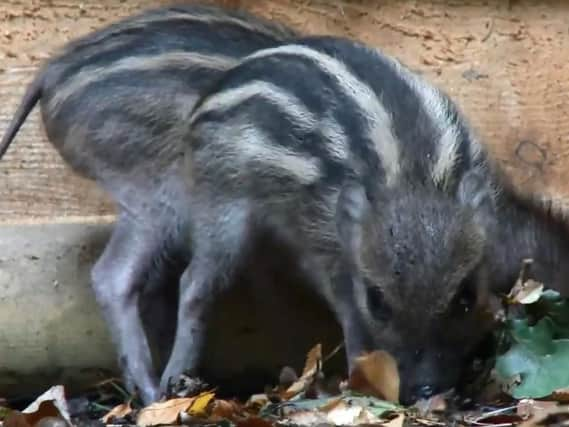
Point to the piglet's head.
(416, 278)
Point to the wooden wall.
(505, 62)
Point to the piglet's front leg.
(221, 232)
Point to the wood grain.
(504, 62)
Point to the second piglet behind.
(115, 105)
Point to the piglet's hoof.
(185, 385)
(150, 395)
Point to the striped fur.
(173, 52)
(115, 105)
(376, 180)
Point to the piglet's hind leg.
(118, 277)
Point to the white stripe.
(337, 146)
(434, 105)
(380, 129)
(247, 144)
(288, 103)
(175, 59)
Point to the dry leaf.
(51, 404)
(395, 422)
(169, 411)
(199, 406)
(256, 402)
(54, 396)
(336, 413)
(47, 411)
(224, 409)
(119, 411)
(535, 411)
(343, 414)
(526, 292)
(16, 419)
(561, 395)
(435, 403)
(527, 408)
(163, 412)
(311, 368)
(376, 374)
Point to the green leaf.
(538, 338)
(539, 351)
(541, 375)
(541, 361)
(552, 305)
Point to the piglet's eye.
(466, 297)
(376, 303)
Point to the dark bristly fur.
(115, 104)
(373, 177)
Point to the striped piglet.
(115, 105)
(374, 179)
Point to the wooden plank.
(35, 181)
(504, 62)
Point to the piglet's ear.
(352, 208)
(475, 192)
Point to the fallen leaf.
(56, 396)
(540, 360)
(200, 405)
(526, 292)
(16, 419)
(376, 374)
(528, 408)
(187, 386)
(305, 418)
(341, 414)
(256, 402)
(435, 403)
(119, 411)
(51, 404)
(560, 395)
(225, 409)
(545, 413)
(311, 368)
(337, 413)
(396, 422)
(343, 410)
(163, 412)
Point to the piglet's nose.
(424, 391)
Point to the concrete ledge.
(50, 327)
(51, 330)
